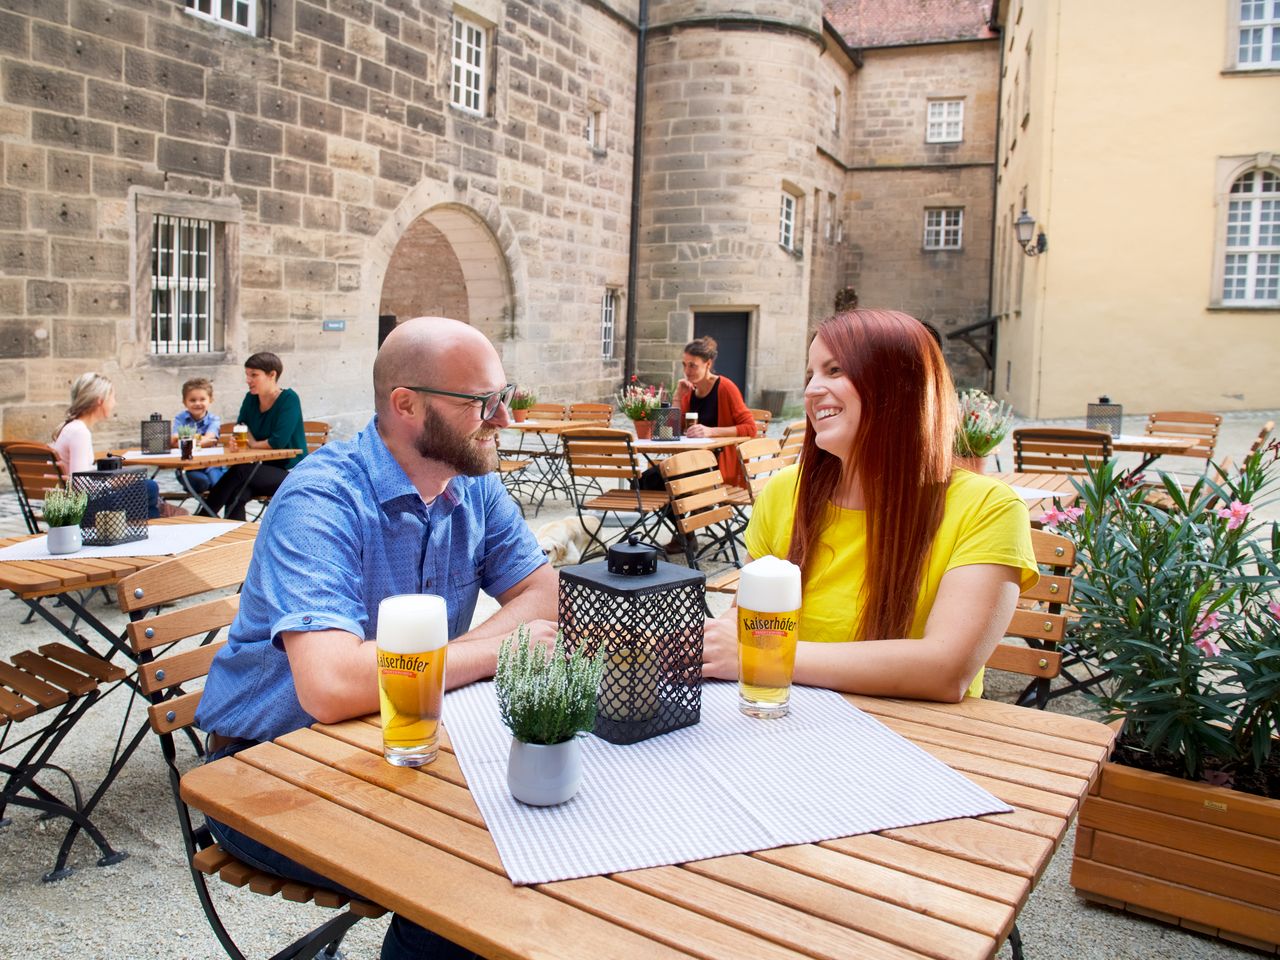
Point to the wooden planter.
(1205, 858)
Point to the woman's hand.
(683, 389)
(697, 430)
(720, 649)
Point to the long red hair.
(902, 452)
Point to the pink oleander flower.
(1200, 635)
(1273, 608)
(1053, 516)
(1208, 647)
(1074, 513)
(1235, 514)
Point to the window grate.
(608, 319)
(182, 285)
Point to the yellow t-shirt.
(983, 521)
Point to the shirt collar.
(389, 480)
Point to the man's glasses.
(489, 402)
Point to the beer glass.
(768, 626)
(413, 634)
(689, 420)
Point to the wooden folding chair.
(1040, 622)
(762, 418)
(597, 412)
(208, 575)
(793, 441)
(317, 433)
(34, 471)
(1185, 425)
(548, 411)
(57, 684)
(595, 456)
(1059, 449)
(702, 506)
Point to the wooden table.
(204, 458)
(1151, 448)
(414, 842)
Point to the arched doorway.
(448, 263)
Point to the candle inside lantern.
(629, 688)
(110, 525)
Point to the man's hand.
(720, 649)
(542, 633)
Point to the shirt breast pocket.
(466, 577)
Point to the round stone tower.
(732, 106)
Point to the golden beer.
(768, 628)
(412, 643)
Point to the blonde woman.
(93, 399)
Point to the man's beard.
(438, 441)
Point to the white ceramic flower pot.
(543, 775)
(64, 539)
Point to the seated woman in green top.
(895, 546)
(274, 417)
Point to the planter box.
(1205, 858)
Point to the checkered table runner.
(730, 784)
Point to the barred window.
(943, 228)
(237, 14)
(466, 89)
(945, 121)
(608, 323)
(1251, 269)
(182, 285)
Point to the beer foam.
(412, 623)
(769, 585)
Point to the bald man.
(411, 505)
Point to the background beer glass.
(768, 625)
(413, 633)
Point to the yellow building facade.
(1144, 139)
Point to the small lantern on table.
(117, 510)
(648, 618)
(1104, 415)
(666, 423)
(155, 435)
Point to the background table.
(413, 841)
(203, 460)
(1151, 448)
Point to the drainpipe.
(633, 265)
(993, 343)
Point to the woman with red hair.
(895, 545)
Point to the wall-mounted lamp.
(1025, 228)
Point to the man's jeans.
(404, 940)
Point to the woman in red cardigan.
(718, 403)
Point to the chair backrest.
(793, 441)
(34, 471)
(317, 432)
(1263, 436)
(1039, 619)
(548, 411)
(1059, 449)
(762, 418)
(699, 500)
(600, 453)
(759, 459)
(1184, 425)
(599, 412)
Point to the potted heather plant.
(63, 510)
(547, 698)
(638, 403)
(982, 423)
(521, 401)
(1177, 598)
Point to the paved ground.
(146, 907)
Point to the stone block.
(320, 116)
(14, 38)
(63, 215)
(261, 272)
(190, 121)
(253, 169)
(407, 59)
(320, 182)
(263, 304)
(282, 208)
(90, 339)
(193, 158)
(24, 256)
(68, 172)
(387, 107)
(303, 80)
(11, 296)
(46, 298)
(319, 23)
(273, 336)
(36, 86)
(100, 299)
(348, 276)
(289, 175)
(72, 50)
(114, 178)
(400, 169)
(13, 210)
(348, 93)
(297, 243)
(360, 11)
(74, 133)
(24, 166)
(258, 135)
(162, 74)
(309, 275)
(191, 186)
(321, 214)
(136, 145)
(353, 156)
(277, 104)
(90, 260)
(119, 104)
(110, 21)
(21, 338)
(359, 219)
(339, 61)
(306, 145)
(231, 92)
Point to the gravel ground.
(145, 907)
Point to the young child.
(197, 395)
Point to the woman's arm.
(969, 616)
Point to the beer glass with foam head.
(413, 634)
(768, 626)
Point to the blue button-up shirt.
(346, 529)
(209, 423)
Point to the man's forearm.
(474, 655)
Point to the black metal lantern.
(647, 616)
(117, 509)
(155, 435)
(666, 423)
(1104, 415)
